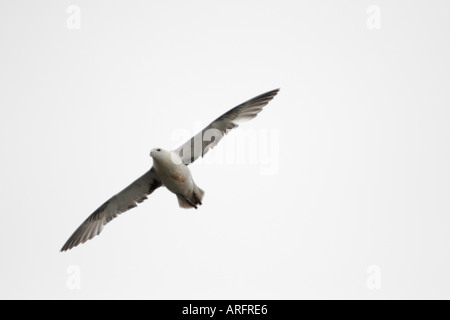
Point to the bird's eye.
(158, 150)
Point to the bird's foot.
(197, 200)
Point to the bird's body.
(176, 177)
(170, 169)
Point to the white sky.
(357, 143)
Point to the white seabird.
(170, 169)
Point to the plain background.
(359, 147)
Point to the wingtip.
(271, 93)
(69, 245)
(65, 248)
(268, 96)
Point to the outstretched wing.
(208, 138)
(126, 199)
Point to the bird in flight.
(170, 169)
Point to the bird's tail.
(193, 201)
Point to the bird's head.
(159, 154)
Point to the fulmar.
(170, 169)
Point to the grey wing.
(209, 137)
(126, 199)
